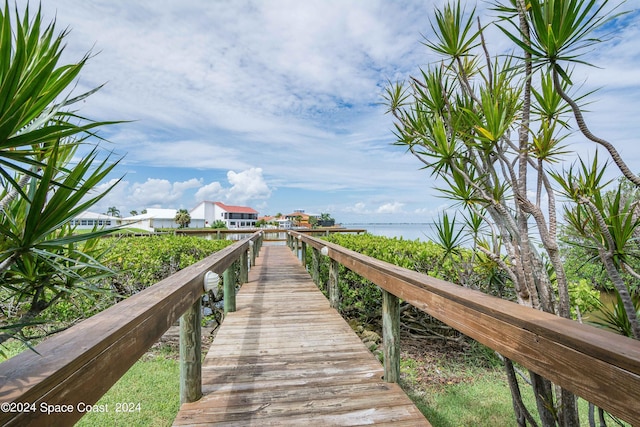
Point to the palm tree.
(183, 218)
(113, 211)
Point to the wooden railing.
(599, 366)
(74, 368)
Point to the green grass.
(454, 394)
(484, 402)
(153, 383)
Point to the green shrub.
(359, 298)
(143, 261)
(139, 262)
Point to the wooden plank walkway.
(286, 358)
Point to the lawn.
(147, 395)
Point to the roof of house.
(236, 209)
(94, 215)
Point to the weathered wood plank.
(285, 357)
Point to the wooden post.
(244, 267)
(303, 255)
(253, 249)
(334, 292)
(315, 265)
(391, 336)
(190, 354)
(229, 288)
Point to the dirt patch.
(169, 344)
(435, 362)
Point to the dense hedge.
(359, 298)
(143, 261)
(138, 262)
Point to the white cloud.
(181, 187)
(358, 208)
(212, 191)
(247, 185)
(391, 208)
(159, 192)
(286, 88)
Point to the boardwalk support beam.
(334, 291)
(190, 350)
(315, 265)
(391, 336)
(253, 248)
(244, 267)
(303, 255)
(229, 286)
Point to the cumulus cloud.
(288, 86)
(212, 191)
(391, 208)
(247, 185)
(152, 193)
(160, 192)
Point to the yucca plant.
(490, 126)
(615, 317)
(607, 224)
(42, 260)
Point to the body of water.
(408, 231)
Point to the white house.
(284, 223)
(232, 216)
(87, 220)
(153, 219)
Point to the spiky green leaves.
(608, 221)
(42, 260)
(453, 32)
(561, 31)
(32, 114)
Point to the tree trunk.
(544, 399)
(521, 413)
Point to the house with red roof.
(232, 216)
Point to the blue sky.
(276, 104)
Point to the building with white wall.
(232, 216)
(153, 219)
(88, 220)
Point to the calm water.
(408, 231)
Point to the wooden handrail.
(74, 368)
(600, 366)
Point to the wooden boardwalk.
(286, 358)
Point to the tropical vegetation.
(491, 128)
(49, 168)
(182, 218)
(137, 263)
